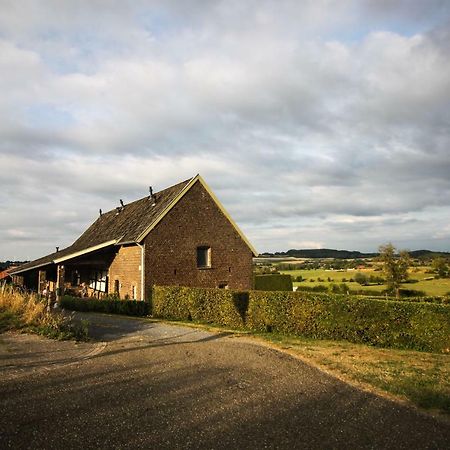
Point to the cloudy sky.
(317, 123)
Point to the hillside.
(347, 254)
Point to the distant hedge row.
(273, 282)
(379, 322)
(126, 307)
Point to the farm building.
(5, 275)
(181, 235)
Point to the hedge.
(384, 323)
(273, 282)
(218, 306)
(125, 307)
(379, 322)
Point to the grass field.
(430, 287)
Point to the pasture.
(419, 279)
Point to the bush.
(277, 282)
(315, 288)
(342, 288)
(411, 293)
(379, 322)
(125, 307)
(361, 279)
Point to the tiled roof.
(4, 274)
(117, 226)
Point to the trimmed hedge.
(125, 307)
(273, 282)
(420, 326)
(374, 321)
(218, 306)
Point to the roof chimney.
(100, 211)
(57, 249)
(152, 196)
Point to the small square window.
(203, 256)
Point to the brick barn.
(181, 235)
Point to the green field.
(430, 287)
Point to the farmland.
(420, 278)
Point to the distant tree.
(440, 266)
(395, 267)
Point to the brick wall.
(125, 268)
(171, 247)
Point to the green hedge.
(374, 321)
(218, 306)
(273, 282)
(384, 323)
(125, 307)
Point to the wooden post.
(60, 275)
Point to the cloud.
(297, 114)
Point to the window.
(203, 257)
(98, 280)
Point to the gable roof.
(129, 224)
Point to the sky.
(318, 124)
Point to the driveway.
(152, 385)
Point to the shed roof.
(127, 224)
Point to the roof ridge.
(147, 196)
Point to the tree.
(395, 267)
(440, 266)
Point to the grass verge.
(29, 313)
(420, 378)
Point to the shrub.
(125, 307)
(411, 293)
(315, 288)
(361, 279)
(342, 288)
(276, 282)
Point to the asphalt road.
(151, 385)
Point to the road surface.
(151, 385)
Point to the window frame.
(206, 256)
(98, 280)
